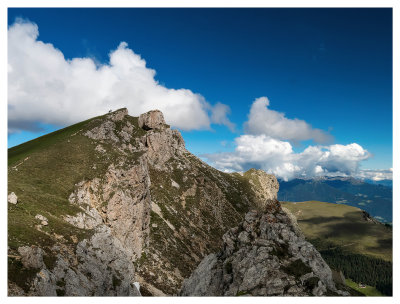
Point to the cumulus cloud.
(45, 87)
(262, 120)
(277, 157)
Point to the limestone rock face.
(263, 256)
(127, 210)
(99, 267)
(12, 198)
(163, 145)
(152, 120)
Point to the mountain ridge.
(124, 204)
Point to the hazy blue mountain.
(385, 182)
(376, 199)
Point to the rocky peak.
(265, 187)
(152, 120)
(118, 115)
(150, 134)
(162, 143)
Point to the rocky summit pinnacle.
(152, 120)
(117, 202)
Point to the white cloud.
(45, 87)
(219, 115)
(277, 157)
(376, 175)
(262, 120)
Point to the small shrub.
(311, 283)
(297, 268)
(60, 292)
(280, 250)
(242, 293)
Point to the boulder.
(43, 220)
(175, 184)
(41, 217)
(31, 257)
(12, 198)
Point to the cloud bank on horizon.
(266, 145)
(44, 87)
(277, 157)
(61, 92)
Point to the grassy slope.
(42, 175)
(343, 226)
(43, 172)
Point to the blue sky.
(331, 68)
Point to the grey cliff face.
(264, 256)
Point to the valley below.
(351, 241)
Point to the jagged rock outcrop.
(103, 132)
(118, 115)
(152, 120)
(265, 187)
(98, 267)
(263, 256)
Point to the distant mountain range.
(376, 198)
(385, 182)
